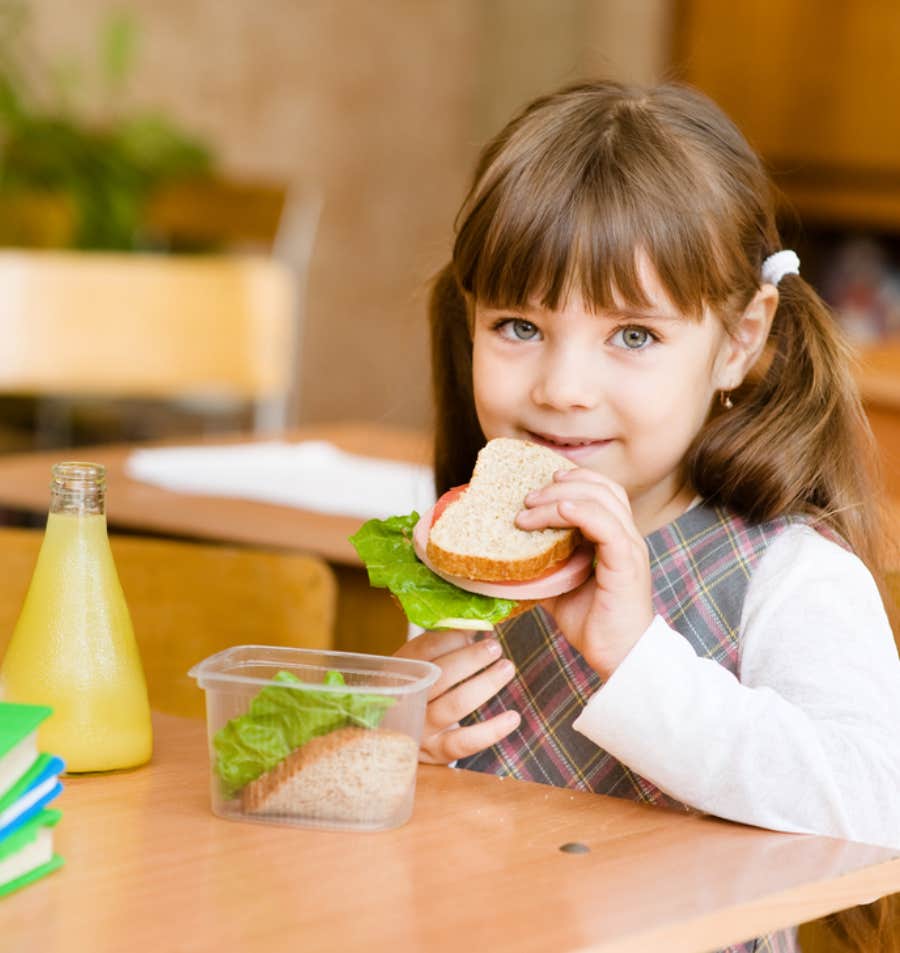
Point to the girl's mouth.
(572, 447)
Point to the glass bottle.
(73, 647)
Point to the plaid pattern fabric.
(701, 566)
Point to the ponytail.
(797, 438)
(458, 436)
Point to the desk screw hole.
(575, 848)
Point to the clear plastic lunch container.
(313, 738)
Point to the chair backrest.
(188, 600)
(151, 326)
(219, 212)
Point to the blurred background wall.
(382, 108)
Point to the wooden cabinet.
(814, 85)
(879, 382)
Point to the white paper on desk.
(311, 475)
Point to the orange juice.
(74, 649)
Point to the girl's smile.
(578, 449)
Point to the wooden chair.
(188, 600)
(91, 324)
(191, 213)
(194, 214)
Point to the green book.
(18, 740)
(27, 854)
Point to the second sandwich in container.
(313, 738)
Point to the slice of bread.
(354, 775)
(476, 536)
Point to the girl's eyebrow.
(641, 315)
(504, 309)
(610, 314)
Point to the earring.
(725, 399)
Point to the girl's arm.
(808, 739)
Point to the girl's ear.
(744, 345)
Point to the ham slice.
(571, 573)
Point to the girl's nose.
(566, 384)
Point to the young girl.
(618, 292)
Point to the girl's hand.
(604, 617)
(471, 673)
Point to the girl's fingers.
(433, 644)
(459, 654)
(580, 480)
(462, 742)
(462, 664)
(453, 705)
(618, 543)
(582, 475)
(601, 493)
(620, 548)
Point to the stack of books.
(29, 780)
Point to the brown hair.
(561, 201)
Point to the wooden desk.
(367, 619)
(149, 868)
(25, 484)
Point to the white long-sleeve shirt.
(806, 738)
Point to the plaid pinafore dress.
(701, 566)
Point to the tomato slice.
(452, 494)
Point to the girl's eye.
(517, 329)
(633, 338)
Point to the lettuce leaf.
(281, 719)
(386, 549)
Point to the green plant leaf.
(154, 145)
(118, 48)
(104, 172)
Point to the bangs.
(573, 214)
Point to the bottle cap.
(78, 487)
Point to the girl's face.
(622, 392)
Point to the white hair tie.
(782, 263)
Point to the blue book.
(30, 794)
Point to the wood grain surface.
(149, 868)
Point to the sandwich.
(351, 775)
(465, 563)
(319, 755)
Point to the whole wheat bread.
(355, 775)
(476, 536)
